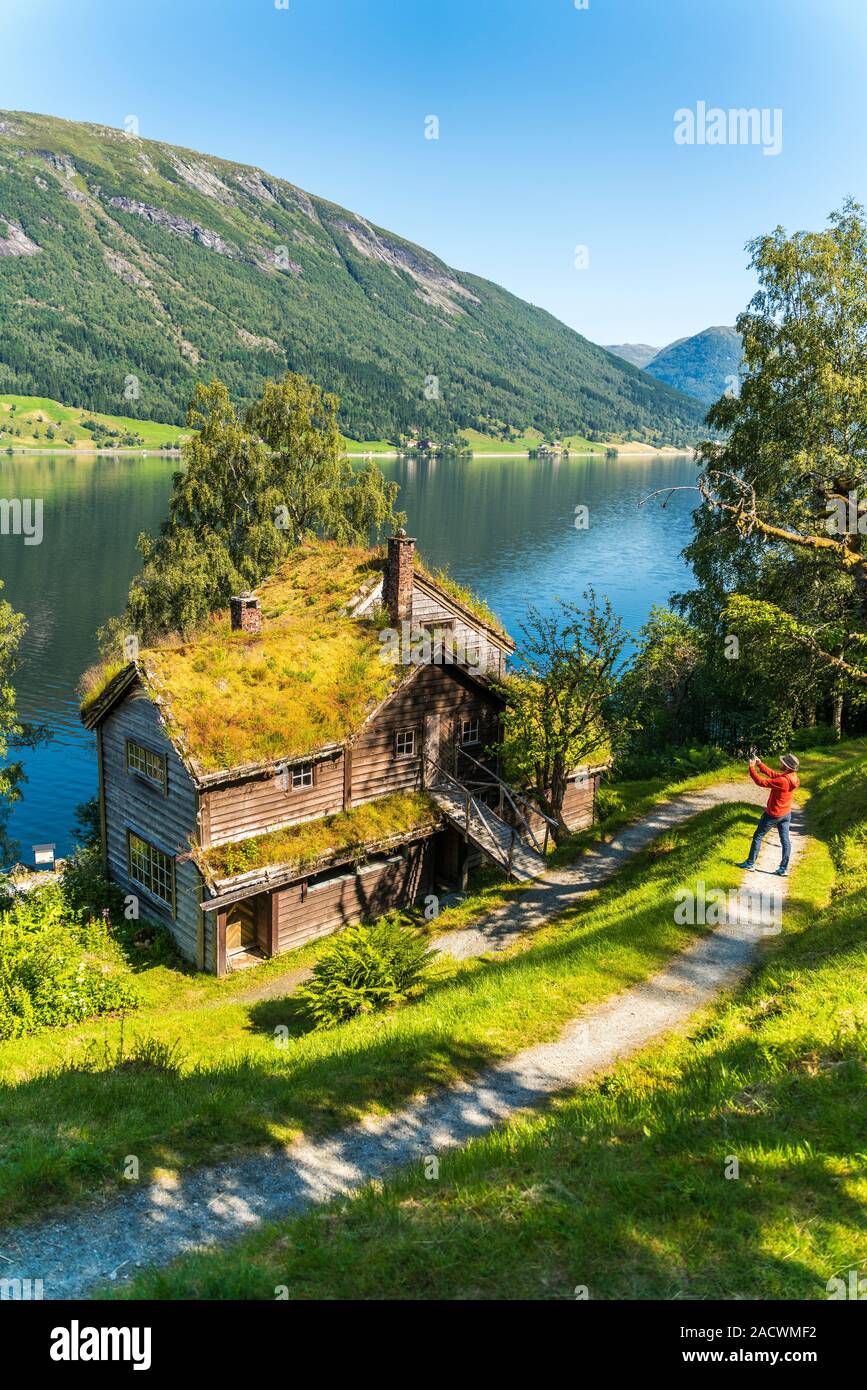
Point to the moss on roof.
(311, 842)
(465, 597)
(307, 680)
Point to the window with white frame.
(469, 732)
(404, 743)
(151, 869)
(144, 762)
(302, 777)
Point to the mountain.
(705, 365)
(639, 354)
(130, 269)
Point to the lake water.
(505, 527)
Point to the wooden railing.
(513, 797)
(472, 803)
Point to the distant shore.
(621, 450)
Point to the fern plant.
(366, 969)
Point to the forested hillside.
(706, 366)
(131, 269)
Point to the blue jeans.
(765, 824)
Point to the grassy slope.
(621, 1187)
(37, 412)
(65, 1134)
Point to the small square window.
(469, 732)
(404, 743)
(302, 776)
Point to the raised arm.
(761, 781)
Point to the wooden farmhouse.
(324, 751)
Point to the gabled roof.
(234, 703)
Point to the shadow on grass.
(67, 1131)
(621, 1188)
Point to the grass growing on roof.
(328, 837)
(307, 680)
(460, 594)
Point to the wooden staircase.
(503, 843)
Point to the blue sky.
(555, 125)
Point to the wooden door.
(431, 747)
(241, 927)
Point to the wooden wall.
(429, 608)
(305, 911)
(253, 807)
(167, 821)
(438, 693)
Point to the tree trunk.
(837, 715)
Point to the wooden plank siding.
(166, 819)
(429, 609)
(321, 905)
(438, 693)
(259, 804)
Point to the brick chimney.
(246, 613)
(397, 590)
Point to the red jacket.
(782, 785)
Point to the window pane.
(153, 869)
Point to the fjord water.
(505, 527)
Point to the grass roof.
(307, 680)
(463, 596)
(315, 841)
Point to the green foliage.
(58, 964)
(12, 732)
(768, 563)
(250, 490)
(655, 691)
(559, 702)
(366, 969)
(354, 307)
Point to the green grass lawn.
(621, 1187)
(32, 414)
(66, 1132)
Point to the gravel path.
(152, 1225)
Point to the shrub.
(58, 964)
(364, 969)
(143, 1054)
(608, 803)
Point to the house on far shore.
(321, 752)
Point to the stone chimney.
(246, 613)
(397, 589)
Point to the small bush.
(58, 964)
(608, 803)
(365, 969)
(143, 1054)
(672, 763)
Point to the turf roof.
(298, 847)
(306, 681)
